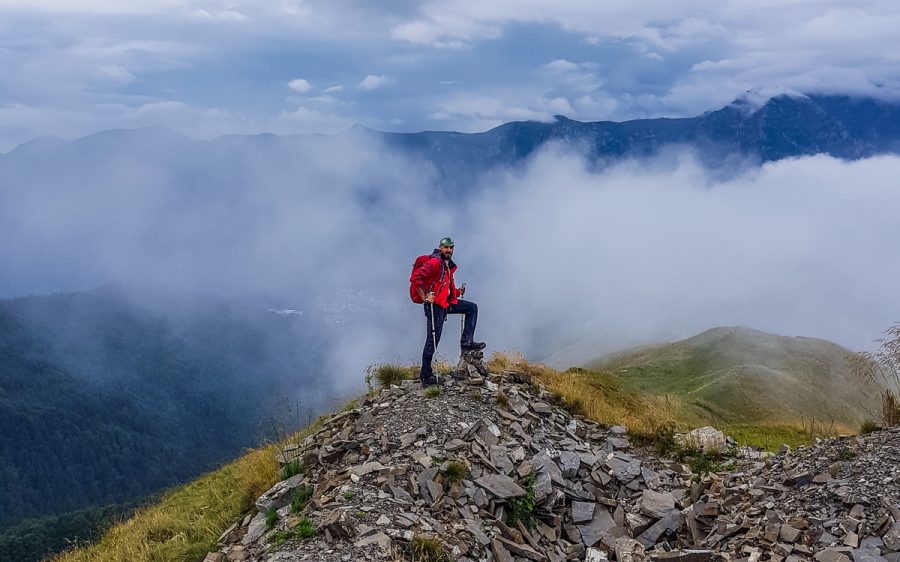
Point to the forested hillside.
(104, 401)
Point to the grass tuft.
(305, 528)
(456, 471)
(426, 549)
(433, 391)
(390, 374)
(271, 519)
(867, 426)
(301, 496)
(292, 468)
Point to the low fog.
(565, 262)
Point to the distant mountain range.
(739, 375)
(784, 126)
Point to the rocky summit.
(491, 469)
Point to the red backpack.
(419, 264)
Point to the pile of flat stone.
(540, 484)
(836, 501)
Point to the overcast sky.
(211, 67)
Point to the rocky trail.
(491, 470)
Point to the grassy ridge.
(742, 376)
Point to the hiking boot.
(473, 345)
(433, 381)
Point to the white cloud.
(560, 65)
(333, 89)
(665, 250)
(374, 81)
(115, 73)
(224, 15)
(300, 85)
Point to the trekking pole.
(462, 317)
(433, 337)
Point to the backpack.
(419, 264)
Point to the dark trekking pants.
(468, 308)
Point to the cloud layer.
(663, 250)
(210, 67)
(564, 262)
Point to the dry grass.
(882, 367)
(652, 419)
(185, 524)
(602, 397)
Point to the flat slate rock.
(657, 504)
(500, 486)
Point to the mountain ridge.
(784, 126)
(740, 374)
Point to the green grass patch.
(521, 508)
(305, 528)
(433, 391)
(271, 519)
(292, 468)
(772, 437)
(301, 496)
(278, 538)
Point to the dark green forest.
(106, 399)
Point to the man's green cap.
(447, 242)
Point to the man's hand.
(462, 290)
(429, 298)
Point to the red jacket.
(436, 276)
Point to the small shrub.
(305, 528)
(348, 495)
(292, 468)
(847, 454)
(425, 549)
(476, 396)
(271, 519)
(521, 508)
(502, 400)
(433, 391)
(301, 496)
(867, 426)
(456, 472)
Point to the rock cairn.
(491, 470)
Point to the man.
(436, 288)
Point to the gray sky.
(210, 67)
